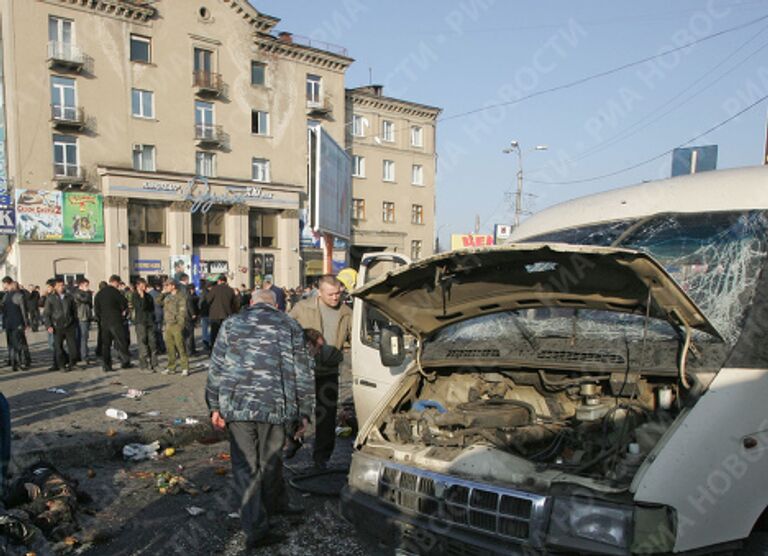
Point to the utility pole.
(514, 146)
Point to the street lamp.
(514, 146)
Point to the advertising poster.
(38, 215)
(83, 215)
(197, 271)
(180, 264)
(7, 215)
(469, 241)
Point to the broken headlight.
(590, 525)
(364, 474)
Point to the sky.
(548, 72)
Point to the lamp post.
(514, 146)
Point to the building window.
(416, 249)
(65, 156)
(63, 98)
(208, 227)
(142, 104)
(61, 31)
(388, 212)
(314, 90)
(204, 119)
(260, 170)
(146, 223)
(259, 122)
(203, 61)
(358, 209)
(388, 131)
(141, 49)
(258, 73)
(262, 229)
(358, 166)
(417, 174)
(417, 136)
(144, 158)
(359, 123)
(205, 164)
(417, 214)
(389, 170)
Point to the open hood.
(460, 285)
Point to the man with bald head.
(259, 382)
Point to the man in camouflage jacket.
(259, 381)
(175, 317)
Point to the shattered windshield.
(715, 256)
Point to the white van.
(600, 386)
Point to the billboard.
(468, 241)
(502, 232)
(83, 215)
(180, 264)
(691, 160)
(330, 187)
(38, 215)
(7, 215)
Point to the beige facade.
(154, 95)
(393, 145)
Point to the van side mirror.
(392, 347)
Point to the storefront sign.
(502, 232)
(7, 215)
(149, 266)
(38, 215)
(160, 186)
(198, 191)
(83, 215)
(467, 241)
(218, 267)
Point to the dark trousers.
(18, 349)
(159, 340)
(327, 397)
(109, 332)
(34, 318)
(145, 338)
(215, 326)
(189, 337)
(257, 468)
(84, 327)
(61, 335)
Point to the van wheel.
(756, 544)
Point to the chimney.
(284, 36)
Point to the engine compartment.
(597, 425)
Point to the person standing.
(110, 308)
(60, 317)
(155, 292)
(84, 303)
(259, 383)
(49, 291)
(327, 314)
(33, 307)
(222, 303)
(279, 293)
(15, 322)
(144, 322)
(175, 315)
(188, 291)
(203, 311)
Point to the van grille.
(472, 353)
(581, 356)
(501, 512)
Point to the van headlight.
(590, 525)
(364, 474)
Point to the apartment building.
(186, 120)
(393, 147)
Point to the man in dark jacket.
(84, 303)
(33, 308)
(15, 322)
(154, 292)
(279, 293)
(144, 320)
(110, 308)
(259, 382)
(222, 303)
(60, 319)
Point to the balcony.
(208, 83)
(66, 55)
(67, 117)
(319, 107)
(68, 174)
(209, 135)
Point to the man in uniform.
(175, 315)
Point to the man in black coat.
(110, 308)
(222, 303)
(60, 317)
(15, 322)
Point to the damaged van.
(547, 397)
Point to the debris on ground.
(194, 511)
(186, 421)
(168, 483)
(169, 452)
(134, 394)
(111, 432)
(116, 414)
(57, 391)
(141, 452)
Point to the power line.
(603, 73)
(665, 153)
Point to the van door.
(370, 379)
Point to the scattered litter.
(187, 421)
(111, 433)
(233, 515)
(168, 483)
(223, 456)
(221, 471)
(169, 452)
(57, 391)
(142, 475)
(71, 541)
(116, 383)
(134, 393)
(91, 473)
(343, 432)
(116, 414)
(140, 452)
(195, 511)
(152, 413)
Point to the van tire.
(756, 544)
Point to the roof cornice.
(307, 54)
(262, 23)
(394, 105)
(135, 10)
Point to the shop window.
(146, 223)
(208, 228)
(262, 229)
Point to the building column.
(179, 228)
(236, 238)
(289, 264)
(116, 227)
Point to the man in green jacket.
(175, 316)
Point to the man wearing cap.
(175, 315)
